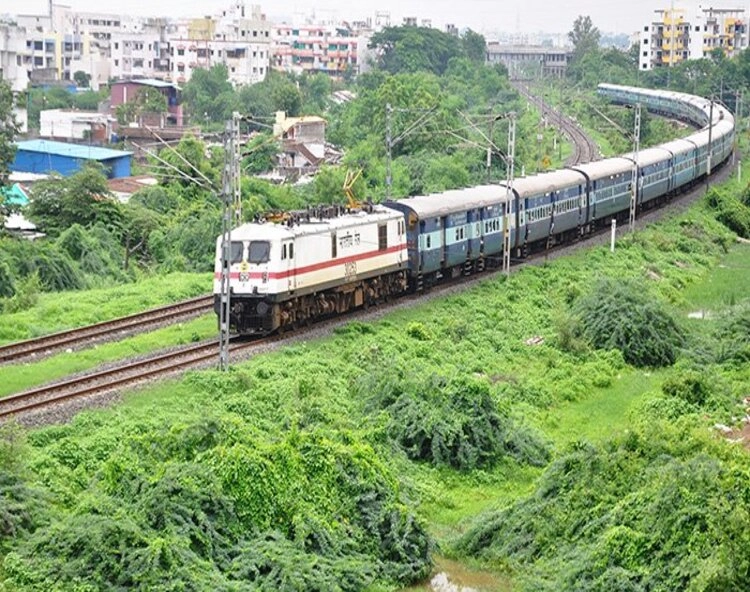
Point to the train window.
(259, 251)
(428, 241)
(457, 234)
(283, 252)
(333, 245)
(382, 237)
(235, 251)
(291, 250)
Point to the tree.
(8, 131)
(474, 46)
(414, 49)
(209, 95)
(147, 100)
(584, 37)
(82, 198)
(81, 78)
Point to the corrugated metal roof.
(70, 150)
(155, 82)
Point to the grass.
(725, 285)
(25, 376)
(65, 310)
(604, 413)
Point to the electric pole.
(231, 200)
(388, 147)
(236, 160)
(636, 149)
(509, 191)
(710, 134)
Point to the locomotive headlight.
(262, 308)
(244, 276)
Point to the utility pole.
(230, 197)
(710, 134)
(509, 192)
(236, 160)
(388, 147)
(636, 149)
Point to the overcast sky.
(485, 16)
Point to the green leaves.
(620, 314)
(452, 422)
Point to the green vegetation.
(507, 426)
(625, 316)
(299, 470)
(49, 313)
(20, 377)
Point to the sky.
(484, 16)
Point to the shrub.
(455, 423)
(621, 314)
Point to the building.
(46, 156)
(123, 91)
(525, 62)
(673, 37)
(239, 38)
(329, 49)
(60, 124)
(302, 141)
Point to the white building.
(238, 38)
(60, 124)
(673, 37)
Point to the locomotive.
(328, 260)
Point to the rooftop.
(71, 150)
(154, 82)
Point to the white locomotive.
(312, 265)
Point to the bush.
(621, 314)
(455, 423)
(644, 512)
(732, 211)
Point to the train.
(330, 260)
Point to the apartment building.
(674, 37)
(316, 48)
(238, 38)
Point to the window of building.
(117, 62)
(180, 52)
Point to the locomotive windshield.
(259, 251)
(235, 251)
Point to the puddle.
(452, 576)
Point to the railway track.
(85, 336)
(584, 148)
(124, 375)
(42, 401)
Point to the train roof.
(547, 182)
(649, 155)
(603, 168)
(455, 200)
(280, 231)
(678, 146)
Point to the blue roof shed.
(45, 156)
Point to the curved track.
(85, 336)
(584, 148)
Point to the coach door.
(287, 265)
